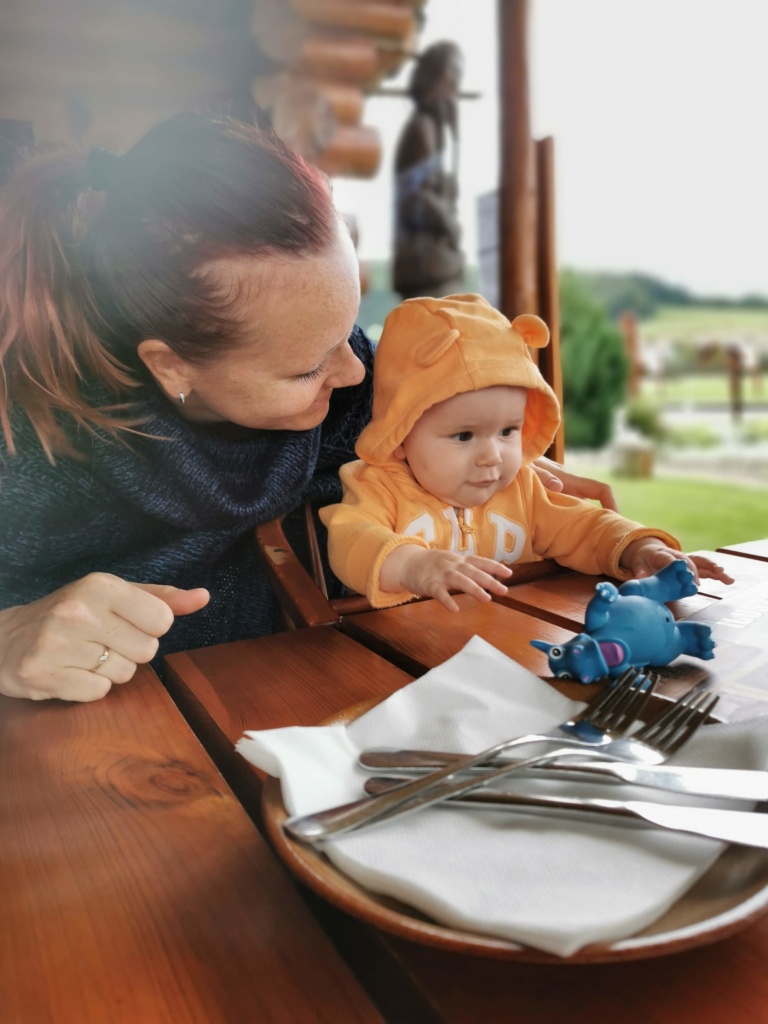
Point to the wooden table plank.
(225, 678)
(303, 677)
(725, 981)
(429, 634)
(749, 549)
(566, 606)
(745, 571)
(134, 889)
(740, 627)
(563, 600)
(306, 676)
(421, 640)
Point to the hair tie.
(100, 168)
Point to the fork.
(658, 735)
(663, 736)
(670, 730)
(668, 733)
(596, 727)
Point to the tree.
(595, 366)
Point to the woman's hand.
(433, 573)
(75, 643)
(555, 478)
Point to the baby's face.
(469, 447)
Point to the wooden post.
(628, 327)
(528, 280)
(734, 363)
(517, 199)
(547, 280)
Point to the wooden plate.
(728, 897)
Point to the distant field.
(702, 514)
(686, 323)
(680, 325)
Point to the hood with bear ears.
(432, 349)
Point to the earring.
(182, 397)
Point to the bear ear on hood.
(429, 351)
(531, 329)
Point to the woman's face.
(296, 315)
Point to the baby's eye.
(508, 431)
(463, 435)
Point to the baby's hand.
(433, 573)
(645, 557)
(707, 569)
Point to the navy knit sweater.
(179, 511)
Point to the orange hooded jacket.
(430, 350)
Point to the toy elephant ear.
(531, 329)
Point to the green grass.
(703, 515)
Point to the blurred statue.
(16, 137)
(428, 259)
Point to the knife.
(726, 783)
(746, 828)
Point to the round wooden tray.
(728, 897)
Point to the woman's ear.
(174, 375)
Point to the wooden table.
(135, 887)
(307, 676)
(424, 634)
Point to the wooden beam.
(517, 199)
(547, 283)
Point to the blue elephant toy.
(631, 625)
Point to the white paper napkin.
(552, 883)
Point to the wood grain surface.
(135, 890)
(424, 634)
(709, 985)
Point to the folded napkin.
(553, 883)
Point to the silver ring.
(102, 658)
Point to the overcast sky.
(658, 110)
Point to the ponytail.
(49, 323)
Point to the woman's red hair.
(86, 275)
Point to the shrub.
(754, 432)
(644, 417)
(692, 436)
(595, 366)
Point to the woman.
(179, 364)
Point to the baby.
(443, 497)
